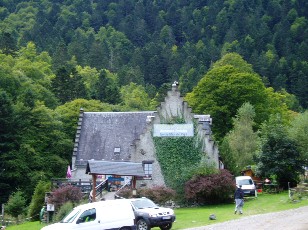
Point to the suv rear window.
(245, 182)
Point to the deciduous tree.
(134, 97)
(230, 83)
(279, 154)
(299, 133)
(241, 142)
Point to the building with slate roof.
(128, 137)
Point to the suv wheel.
(142, 225)
(166, 226)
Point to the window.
(148, 169)
(87, 216)
(116, 152)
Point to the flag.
(69, 172)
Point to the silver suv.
(149, 215)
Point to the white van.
(109, 214)
(248, 186)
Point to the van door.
(118, 214)
(88, 220)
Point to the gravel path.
(294, 219)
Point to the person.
(239, 199)
(42, 212)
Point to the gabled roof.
(114, 168)
(103, 133)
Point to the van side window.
(87, 216)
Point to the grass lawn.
(264, 203)
(199, 216)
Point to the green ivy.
(177, 156)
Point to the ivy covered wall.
(177, 156)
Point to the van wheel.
(142, 225)
(166, 226)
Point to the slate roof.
(102, 132)
(115, 168)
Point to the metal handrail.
(99, 189)
(116, 196)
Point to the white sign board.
(175, 130)
(50, 207)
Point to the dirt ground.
(294, 219)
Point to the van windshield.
(71, 216)
(245, 182)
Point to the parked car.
(109, 214)
(149, 215)
(248, 185)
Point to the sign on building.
(174, 130)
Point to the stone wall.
(145, 151)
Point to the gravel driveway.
(294, 219)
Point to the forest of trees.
(154, 42)
(118, 55)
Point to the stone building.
(128, 137)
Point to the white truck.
(109, 214)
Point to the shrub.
(159, 194)
(63, 211)
(38, 199)
(125, 193)
(210, 189)
(64, 194)
(16, 204)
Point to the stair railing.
(116, 196)
(99, 190)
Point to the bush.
(38, 199)
(64, 194)
(210, 189)
(63, 211)
(125, 193)
(159, 194)
(16, 204)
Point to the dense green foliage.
(299, 133)
(38, 199)
(229, 84)
(65, 209)
(241, 144)
(159, 41)
(178, 156)
(16, 204)
(34, 145)
(279, 156)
